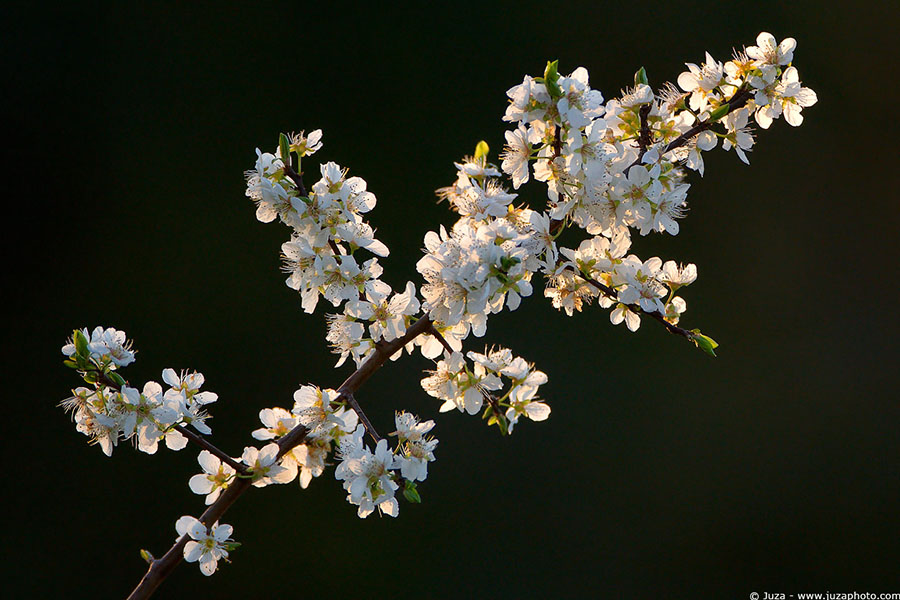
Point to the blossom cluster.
(111, 410)
(327, 223)
(469, 389)
(371, 478)
(329, 424)
(320, 258)
(610, 168)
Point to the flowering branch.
(737, 101)
(609, 167)
(612, 295)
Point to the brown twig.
(206, 445)
(738, 100)
(351, 400)
(613, 295)
(291, 174)
(440, 338)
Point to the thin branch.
(738, 100)
(440, 338)
(295, 177)
(206, 445)
(644, 138)
(351, 400)
(613, 295)
(163, 567)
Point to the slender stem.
(162, 567)
(611, 294)
(440, 338)
(295, 177)
(351, 400)
(206, 445)
(644, 138)
(738, 100)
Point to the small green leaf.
(719, 112)
(411, 493)
(640, 77)
(502, 424)
(91, 377)
(116, 378)
(551, 77)
(704, 342)
(481, 150)
(284, 145)
(71, 364)
(81, 343)
(145, 554)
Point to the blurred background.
(662, 472)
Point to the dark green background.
(661, 473)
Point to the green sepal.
(551, 77)
(91, 377)
(719, 112)
(81, 343)
(411, 493)
(284, 144)
(145, 554)
(232, 546)
(640, 77)
(704, 342)
(481, 151)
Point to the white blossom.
(205, 546)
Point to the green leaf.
(502, 424)
(719, 112)
(81, 343)
(551, 77)
(284, 144)
(70, 363)
(145, 554)
(640, 77)
(481, 150)
(411, 493)
(704, 342)
(118, 379)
